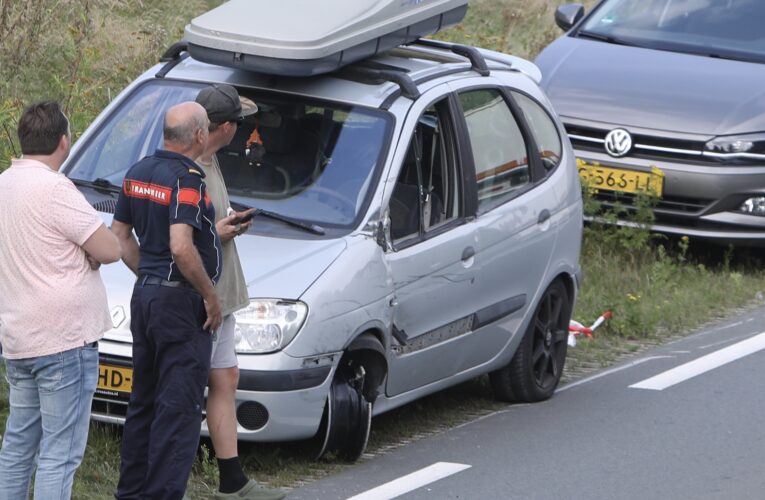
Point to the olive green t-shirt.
(231, 287)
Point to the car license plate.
(618, 179)
(115, 378)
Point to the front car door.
(433, 260)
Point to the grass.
(656, 288)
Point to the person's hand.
(229, 227)
(94, 264)
(214, 314)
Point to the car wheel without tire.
(535, 370)
(347, 416)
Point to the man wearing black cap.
(226, 109)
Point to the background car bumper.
(701, 201)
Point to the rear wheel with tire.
(535, 370)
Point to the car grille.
(643, 146)
(107, 206)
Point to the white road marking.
(610, 371)
(703, 364)
(412, 481)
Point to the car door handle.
(468, 253)
(544, 215)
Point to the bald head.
(186, 129)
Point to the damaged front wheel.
(347, 416)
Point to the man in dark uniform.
(173, 309)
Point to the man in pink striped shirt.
(53, 309)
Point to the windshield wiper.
(98, 183)
(604, 38)
(306, 226)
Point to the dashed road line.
(703, 364)
(412, 481)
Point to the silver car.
(420, 225)
(667, 96)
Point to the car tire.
(536, 367)
(347, 417)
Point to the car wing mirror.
(568, 15)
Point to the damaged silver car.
(420, 225)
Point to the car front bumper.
(701, 201)
(279, 398)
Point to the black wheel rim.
(549, 340)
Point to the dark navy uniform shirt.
(163, 189)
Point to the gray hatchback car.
(421, 226)
(668, 96)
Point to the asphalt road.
(686, 420)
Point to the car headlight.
(268, 325)
(737, 147)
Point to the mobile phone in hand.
(240, 220)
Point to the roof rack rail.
(176, 53)
(376, 75)
(477, 61)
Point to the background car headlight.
(737, 147)
(268, 325)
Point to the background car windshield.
(304, 159)
(722, 28)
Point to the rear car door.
(514, 212)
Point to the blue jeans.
(50, 400)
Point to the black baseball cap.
(223, 104)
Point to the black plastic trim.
(173, 52)
(477, 61)
(388, 102)
(498, 311)
(170, 65)
(282, 381)
(406, 85)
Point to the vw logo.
(618, 142)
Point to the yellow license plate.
(115, 378)
(617, 179)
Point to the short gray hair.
(185, 133)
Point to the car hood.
(273, 268)
(653, 89)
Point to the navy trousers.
(171, 360)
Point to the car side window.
(428, 192)
(499, 150)
(544, 130)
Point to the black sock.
(232, 476)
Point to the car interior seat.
(263, 178)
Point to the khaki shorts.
(224, 347)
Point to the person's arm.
(103, 246)
(190, 264)
(130, 251)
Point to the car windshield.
(732, 29)
(304, 159)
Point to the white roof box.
(309, 37)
